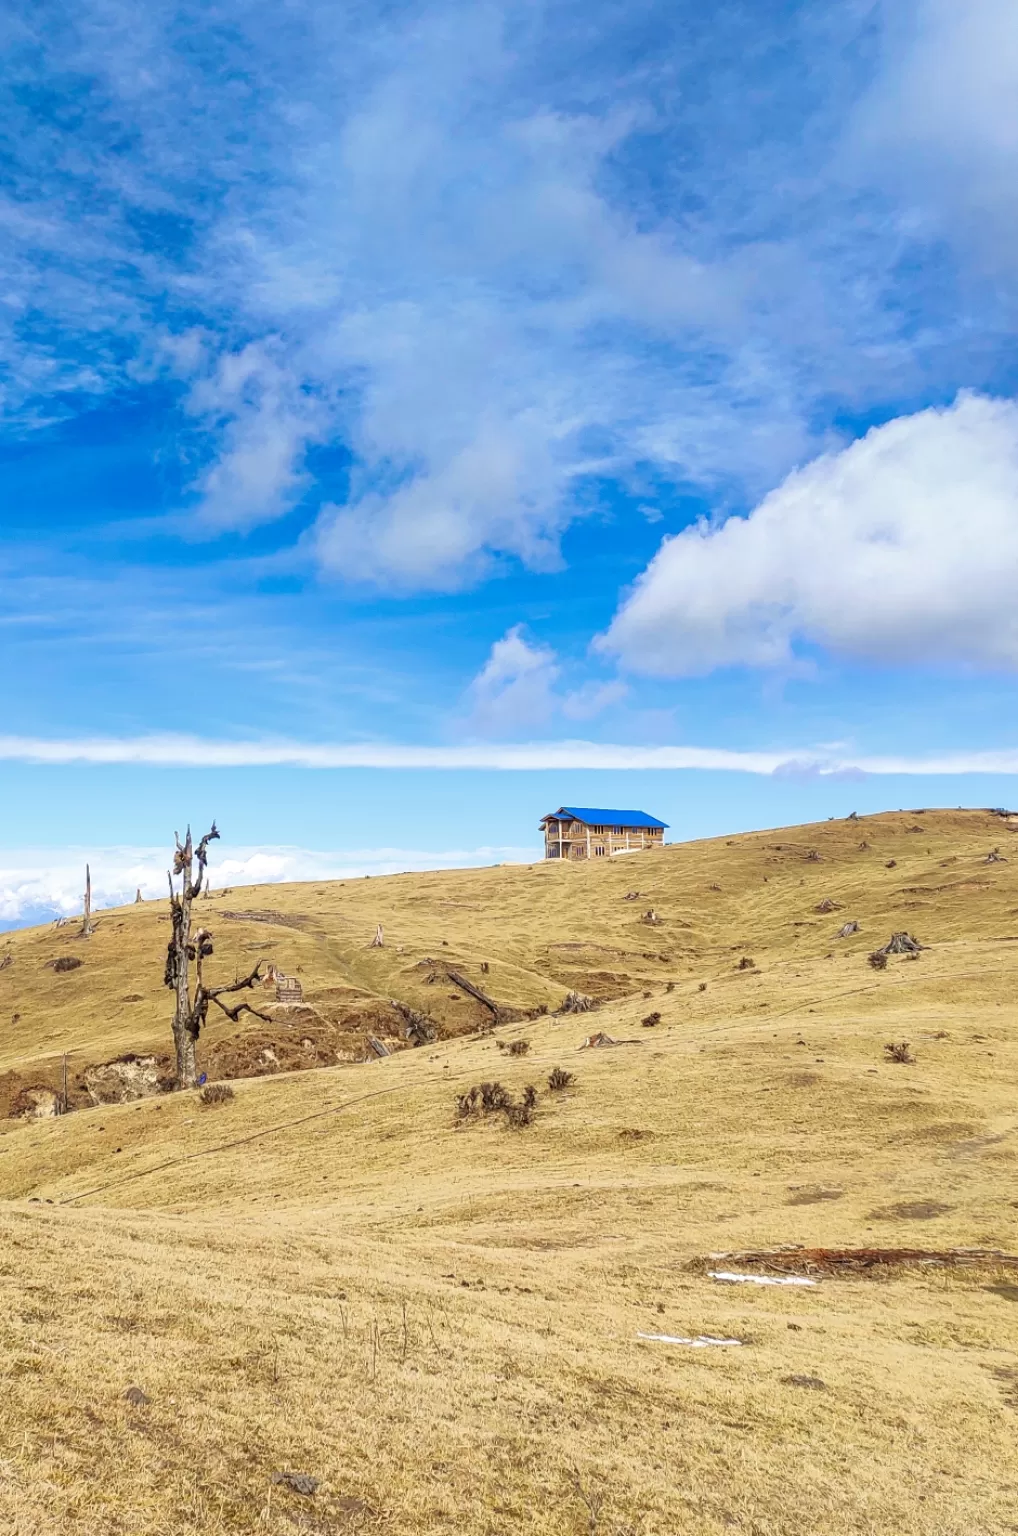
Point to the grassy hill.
(439, 1317)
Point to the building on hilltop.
(579, 832)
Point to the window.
(600, 850)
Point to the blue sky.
(416, 416)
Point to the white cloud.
(901, 548)
(938, 124)
(263, 421)
(516, 689)
(592, 698)
(193, 751)
(515, 686)
(40, 885)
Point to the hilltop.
(525, 935)
(439, 1317)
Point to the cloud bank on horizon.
(39, 885)
(502, 371)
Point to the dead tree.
(378, 941)
(86, 923)
(186, 949)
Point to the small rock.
(136, 1397)
(297, 1482)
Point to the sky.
(417, 416)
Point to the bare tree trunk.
(86, 924)
(189, 1014)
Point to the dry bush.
(702, 987)
(215, 1093)
(518, 1115)
(494, 1099)
(651, 1020)
(899, 1052)
(746, 964)
(467, 1104)
(670, 986)
(878, 960)
(559, 1078)
(577, 1002)
(519, 1047)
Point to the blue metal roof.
(601, 818)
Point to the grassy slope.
(440, 1321)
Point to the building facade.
(584, 832)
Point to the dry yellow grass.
(329, 1274)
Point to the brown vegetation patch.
(298, 920)
(814, 1196)
(911, 1210)
(794, 1259)
(942, 1130)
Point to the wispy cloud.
(192, 751)
(497, 252)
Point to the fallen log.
(496, 1012)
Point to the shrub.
(519, 1048)
(518, 1115)
(670, 987)
(467, 1103)
(878, 960)
(558, 1079)
(215, 1093)
(746, 964)
(651, 1020)
(492, 1099)
(899, 1052)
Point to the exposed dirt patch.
(803, 1079)
(35, 1103)
(129, 1077)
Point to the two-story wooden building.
(580, 832)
